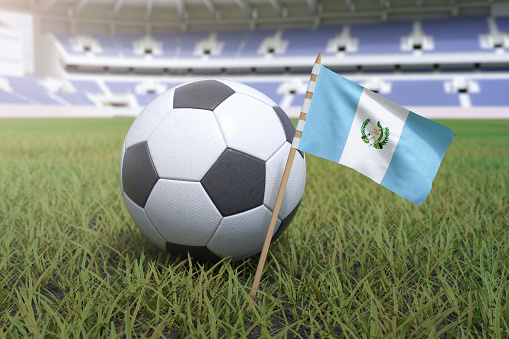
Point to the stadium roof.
(285, 12)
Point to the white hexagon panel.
(294, 191)
(250, 126)
(185, 144)
(243, 234)
(143, 222)
(149, 118)
(182, 212)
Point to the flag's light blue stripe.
(333, 106)
(417, 157)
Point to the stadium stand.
(317, 39)
(111, 46)
(233, 42)
(77, 98)
(421, 93)
(86, 86)
(13, 98)
(65, 41)
(253, 41)
(417, 60)
(188, 42)
(492, 93)
(387, 38)
(418, 92)
(503, 24)
(169, 43)
(459, 34)
(30, 87)
(121, 87)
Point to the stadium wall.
(48, 111)
(21, 111)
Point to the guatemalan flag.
(358, 128)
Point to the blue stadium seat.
(145, 99)
(64, 40)
(76, 99)
(503, 24)
(253, 42)
(12, 98)
(125, 44)
(79, 98)
(493, 92)
(305, 41)
(421, 93)
(29, 87)
(88, 86)
(121, 87)
(170, 43)
(382, 37)
(233, 42)
(459, 34)
(188, 41)
(109, 45)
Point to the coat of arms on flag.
(374, 135)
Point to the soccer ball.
(201, 166)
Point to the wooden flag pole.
(280, 195)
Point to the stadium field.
(358, 261)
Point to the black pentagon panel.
(201, 253)
(236, 182)
(286, 122)
(285, 222)
(206, 94)
(138, 173)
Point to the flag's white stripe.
(363, 157)
(316, 69)
(311, 86)
(300, 125)
(305, 105)
(295, 142)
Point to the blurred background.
(103, 58)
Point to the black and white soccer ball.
(201, 166)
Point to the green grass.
(358, 261)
